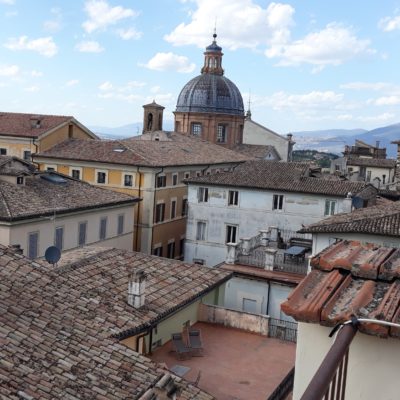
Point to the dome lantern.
(213, 59)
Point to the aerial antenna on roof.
(52, 255)
(248, 112)
(215, 29)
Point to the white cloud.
(106, 86)
(388, 24)
(130, 33)
(36, 74)
(89, 46)
(376, 86)
(9, 2)
(101, 15)
(9, 70)
(155, 89)
(332, 45)
(32, 89)
(170, 62)
(55, 24)
(377, 118)
(44, 46)
(72, 82)
(388, 101)
(241, 24)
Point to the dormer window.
(20, 180)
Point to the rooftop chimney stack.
(136, 289)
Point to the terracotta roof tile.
(275, 175)
(257, 151)
(174, 149)
(56, 325)
(350, 278)
(372, 162)
(19, 124)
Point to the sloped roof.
(20, 124)
(349, 278)
(279, 176)
(41, 197)
(56, 324)
(257, 151)
(173, 150)
(372, 162)
(377, 220)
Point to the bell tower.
(152, 117)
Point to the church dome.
(211, 92)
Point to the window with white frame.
(196, 128)
(33, 245)
(221, 133)
(20, 180)
(3, 151)
(174, 179)
(186, 175)
(101, 177)
(120, 224)
(161, 181)
(103, 228)
(76, 173)
(158, 251)
(231, 233)
(201, 230)
(330, 207)
(233, 198)
(184, 207)
(128, 180)
(160, 212)
(82, 228)
(171, 250)
(202, 194)
(27, 155)
(50, 168)
(173, 208)
(277, 202)
(59, 237)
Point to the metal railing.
(293, 266)
(256, 258)
(284, 330)
(284, 388)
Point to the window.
(33, 242)
(82, 233)
(171, 250)
(157, 251)
(173, 209)
(50, 168)
(103, 228)
(186, 175)
(202, 195)
(221, 133)
(196, 128)
(161, 181)
(184, 207)
(277, 202)
(201, 230)
(182, 247)
(160, 212)
(337, 167)
(76, 173)
(27, 155)
(20, 180)
(330, 207)
(383, 178)
(128, 180)
(3, 151)
(174, 179)
(368, 176)
(231, 234)
(233, 198)
(59, 237)
(101, 177)
(120, 226)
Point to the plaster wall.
(373, 368)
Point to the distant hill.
(321, 159)
(334, 140)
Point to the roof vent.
(119, 149)
(136, 289)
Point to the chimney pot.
(136, 288)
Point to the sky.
(302, 65)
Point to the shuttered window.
(82, 233)
(33, 242)
(59, 237)
(120, 228)
(103, 228)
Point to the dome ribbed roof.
(210, 93)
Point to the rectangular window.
(201, 230)
(173, 209)
(221, 133)
(76, 173)
(184, 207)
(27, 155)
(330, 207)
(202, 195)
(103, 228)
(171, 250)
(186, 175)
(368, 176)
(33, 243)
(59, 237)
(50, 169)
(233, 198)
(182, 247)
(160, 212)
(157, 251)
(120, 227)
(196, 128)
(161, 181)
(231, 234)
(20, 180)
(174, 179)
(128, 180)
(82, 233)
(3, 151)
(101, 177)
(277, 202)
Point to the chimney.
(347, 203)
(16, 248)
(136, 289)
(36, 121)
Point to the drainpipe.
(203, 170)
(154, 202)
(138, 210)
(268, 297)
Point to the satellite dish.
(52, 254)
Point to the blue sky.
(308, 64)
